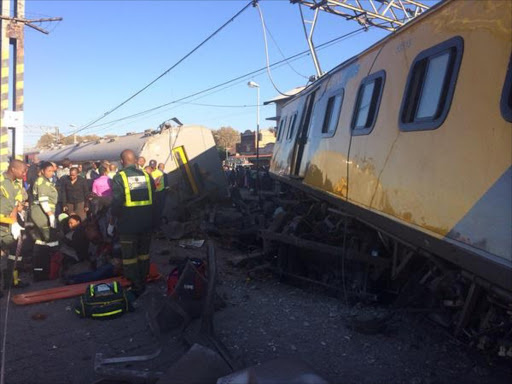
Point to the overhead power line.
(238, 78)
(166, 71)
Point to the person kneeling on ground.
(75, 243)
(105, 261)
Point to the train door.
(302, 134)
(186, 172)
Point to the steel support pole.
(18, 98)
(5, 8)
(258, 140)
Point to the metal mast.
(12, 23)
(386, 14)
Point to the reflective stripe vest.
(158, 176)
(44, 191)
(10, 195)
(133, 183)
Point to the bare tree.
(226, 137)
(47, 139)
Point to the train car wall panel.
(282, 155)
(328, 155)
(347, 78)
(434, 178)
(450, 182)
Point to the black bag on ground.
(103, 301)
(41, 261)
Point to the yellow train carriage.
(417, 131)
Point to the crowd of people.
(98, 214)
(247, 177)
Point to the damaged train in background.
(192, 164)
(396, 177)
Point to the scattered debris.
(191, 243)
(369, 322)
(199, 365)
(39, 316)
(290, 371)
(244, 260)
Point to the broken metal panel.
(282, 370)
(203, 170)
(199, 365)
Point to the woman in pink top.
(102, 186)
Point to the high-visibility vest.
(158, 176)
(18, 197)
(133, 183)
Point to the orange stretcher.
(67, 291)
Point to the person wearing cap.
(159, 178)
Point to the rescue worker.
(42, 214)
(132, 208)
(11, 204)
(159, 178)
(32, 175)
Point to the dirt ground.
(263, 319)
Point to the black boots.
(8, 278)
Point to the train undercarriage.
(311, 240)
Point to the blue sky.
(104, 51)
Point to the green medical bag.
(103, 301)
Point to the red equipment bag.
(192, 274)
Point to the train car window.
(430, 86)
(367, 103)
(506, 95)
(291, 126)
(282, 125)
(332, 113)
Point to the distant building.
(247, 143)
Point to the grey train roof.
(104, 149)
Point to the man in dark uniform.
(132, 207)
(32, 175)
(11, 203)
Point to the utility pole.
(11, 85)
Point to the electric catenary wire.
(282, 54)
(238, 78)
(264, 29)
(166, 71)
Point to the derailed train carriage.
(405, 154)
(192, 164)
